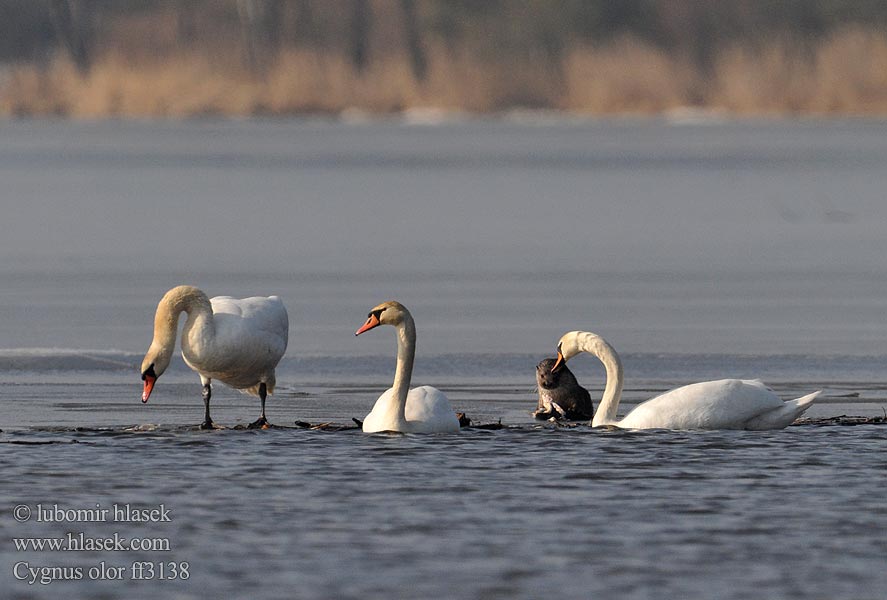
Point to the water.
(703, 251)
(308, 514)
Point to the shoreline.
(421, 117)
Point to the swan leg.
(261, 422)
(207, 394)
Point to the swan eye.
(149, 372)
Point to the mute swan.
(238, 342)
(724, 404)
(419, 410)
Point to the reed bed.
(843, 73)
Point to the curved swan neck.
(598, 346)
(183, 298)
(406, 353)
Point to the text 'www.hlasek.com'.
(42, 560)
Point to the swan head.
(387, 313)
(567, 348)
(153, 365)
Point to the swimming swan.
(724, 404)
(419, 410)
(237, 341)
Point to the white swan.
(724, 404)
(238, 342)
(419, 410)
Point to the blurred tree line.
(36, 30)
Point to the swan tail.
(782, 416)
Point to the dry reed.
(844, 73)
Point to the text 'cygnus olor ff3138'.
(237, 341)
(723, 404)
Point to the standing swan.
(238, 342)
(419, 410)
(724, 404)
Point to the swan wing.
(784, 415)
(250, 336)
(722, 404)
(255, 325)
(257, 314)
(428, 411)
(382, 417)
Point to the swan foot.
(260, 423)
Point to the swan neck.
(606, 412)
(181, 299)
(406, 353)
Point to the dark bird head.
(546, 378)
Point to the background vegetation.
(244, 57)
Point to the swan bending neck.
(598, 346)
(180, 299)
(183, 298)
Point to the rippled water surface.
(510, 513)
(700, 251)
